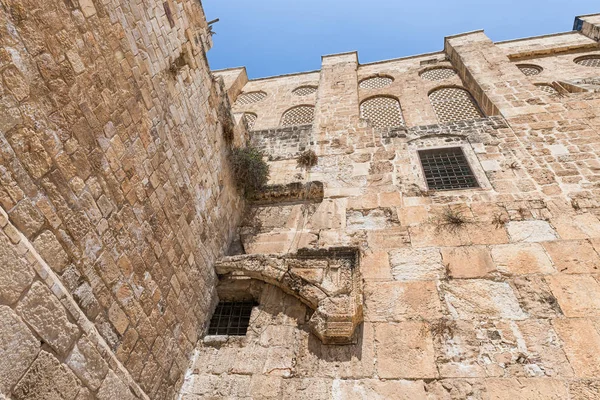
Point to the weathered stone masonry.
(490, 292)
(120, 226)
(115, 196)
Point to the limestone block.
(87, 363)
(51, 251)
(573, 257)
(389, 238)
(47, 379)
(31, 153)
(113, 388)
(530, 231)
(468, 261)
(578, 296)
(87, 8)
(379, 218)
(522, 388)
(27, 218)
(376, 266)
(536, 298)
(46, 315)
(266, 387)
(545, 353)
(416, 264)
(307, 389)
(581, 344)
(18, 348)
(398, 301)
(522, 259)
(374, 389)
(279, 362)
(481, 299)
(404, 351)
(15, 274)
(584, 390)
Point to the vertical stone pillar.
(589, 25)
(490, 76)
(339, 86)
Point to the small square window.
(447, 169)
(231, 318)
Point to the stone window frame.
(283, 115)
(250, 119)
(297, 91)
(360, 109)
(543, 85)
(239, 101)
(361, 81)
(440, 143)
(594, 56)
(433, 68)
(536, 67)
(464, 89)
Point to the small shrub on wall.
(251, 172)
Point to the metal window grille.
(304, 90)
(250, 120)
(547, 88)
(383, 112)
(301, 115)
(530, 70)
(447, 169)
(454, 104)
(249, 98)
(590, 61)
(231, 318)
(438, 74)
(376, 82)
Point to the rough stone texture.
(115, 190)
(18, 349)
(47, 379)
(48, 318)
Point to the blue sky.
(273, 37)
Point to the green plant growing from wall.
(251, 172)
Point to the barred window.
(447, 169)
(383, 112)
(454, 104)
(301, 115)
(250, 97)
(250, 119)
(231, 318)
(438, 74)
(304, 90)
(530, 69)
(547, 88)
(588, 61)
(376, 82)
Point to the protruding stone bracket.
(312, 192)
(328, 281)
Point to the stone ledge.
(290, 193)
(326, 280)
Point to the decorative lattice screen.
(383, 112)
(547, 88)
(529, 70)
(454, 104)
(250, 120)
(376, 82)
(438, 74)
(250, 97)
(301, 115)
(589, 61)
(304, 90)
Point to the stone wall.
(491, 292)
(113, 174)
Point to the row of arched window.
(450, 104)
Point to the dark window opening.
(447, 169)
(231, 318)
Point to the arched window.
(454, 104)
(438, 74)
(547, 88)
(530, 69)
(376, 82)
(383, 112)
(250, 119)
(301, 115)
(304, 90)
(588, 61)
(250, 97)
